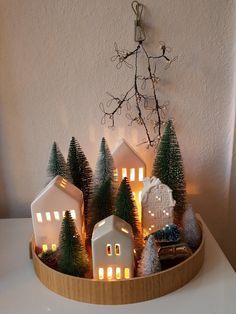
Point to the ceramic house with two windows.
(128, 164)
(48, 209)
(112, 249)
(157, 205)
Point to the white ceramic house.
(112, 249)
(48, 209)
(128, 164)
(157, 205)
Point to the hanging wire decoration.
(142, 109)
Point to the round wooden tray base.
(132, 290)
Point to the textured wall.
(55, 69)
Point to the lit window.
(109, 272)
(54, 247)
(133, 195)
(167, 214)
(124, 230)
(73, 215)
(39, 217)
(139, 196)
(48, 216)
(140, 174)
(101, 223)
(127, 273)
(150, 229)
(56, 215)
(117, 249)
(45, 247)
(116, 175)
(158, 198)
(118, 273)
(132, 174)
(63, 213)
(152, 214)
(109, 250)
(100, 273)
(149, 212)
(124, 173)
(152, 226)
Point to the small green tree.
(72, 257)
(125, 207)
(81, 173)
(57, 164)
(168, 167)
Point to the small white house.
(157, 205)
(48, 210)
(112, 249)
(128, 164)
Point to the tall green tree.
(72, 257)
(81, 173)
(57, 164)
(168, 167)
(125, 207)
(102, 203)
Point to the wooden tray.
(132, 290)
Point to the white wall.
(55, 69)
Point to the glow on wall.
(157, 205)
(112, 249)
(48, 210)
(128, 164)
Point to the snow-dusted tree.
(105, 165)
(149, 262)
(191, 230)
(57, 164)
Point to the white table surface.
(212, 291)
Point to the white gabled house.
(128, 164)
(157, 205)
(112, 249)
(48, 210)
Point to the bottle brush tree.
(149, 262)
(81, 173)
(125, 208)
(72, 256)
(191, 230)
(169, 233)
(168, 167)
(57, 164)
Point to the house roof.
(64, 186)
(112, 223)
(119, 147)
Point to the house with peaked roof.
(48, 210)
(157, 205)
(129, 164)
(113, 249)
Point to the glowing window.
(124, 172)
(152, 214)
(109, 272)
(117, 249)
(127, 273)
(39, 217)
(140, 174)
(54, 247)
(118, 273)
(116, 174)
(132, 174)
(109, 250)
(56, 215)
(101, 223)
(100, 273)
(73, 215)
(44, 247)
(48, 216)
(124, 230)
(63, 213)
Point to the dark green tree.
(169, 233)
(72, 257)
(57, 164)
(81, 173)
(168, 167)
(125, 207)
